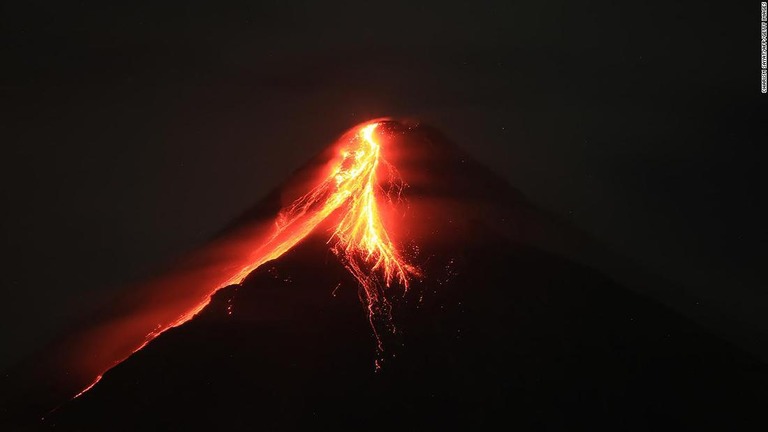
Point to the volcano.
(431, 296)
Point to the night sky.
(132, 133)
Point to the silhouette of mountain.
(502, 327)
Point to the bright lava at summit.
(349, 192)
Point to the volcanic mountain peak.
(496, 323)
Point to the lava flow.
(350, 192)
(352, 184)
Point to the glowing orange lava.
(349, 192)
(352, 186)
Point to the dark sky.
(132, 133)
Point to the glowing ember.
(90, 386)
(350, 192)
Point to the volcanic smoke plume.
(392, 282)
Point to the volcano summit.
(391, 283)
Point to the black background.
(133, 132)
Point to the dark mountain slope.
(505, 333)
(504, 327)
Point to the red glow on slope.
(96, 381)
(351, 186)
(350, 192)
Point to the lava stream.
(359, 238)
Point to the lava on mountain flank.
(348, 198)
(391, 282)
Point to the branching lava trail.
(359, 239)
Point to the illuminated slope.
(345, 194)
(350, 189)
(360, 234)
